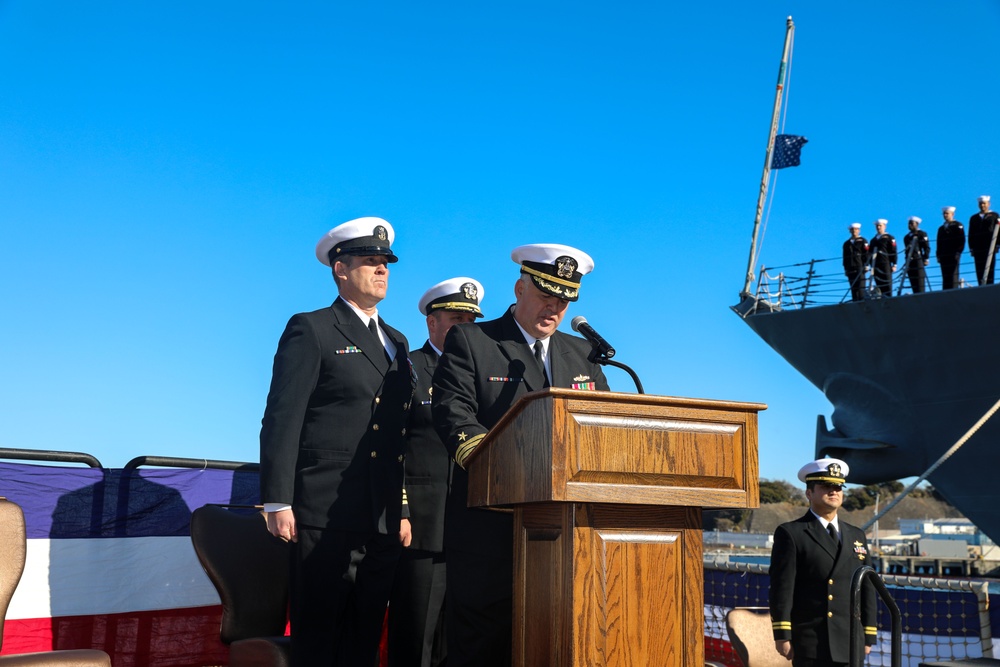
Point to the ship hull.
(908, 377)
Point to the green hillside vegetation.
(781, 501)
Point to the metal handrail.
(49, 455)
(857, 653)
(197, 464)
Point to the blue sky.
(167, 168)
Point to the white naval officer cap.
(826, 470)
(459, 295)
(555, 269)
(915, 219)
(984, 197)
(947, 209)
(855, 225)
(361, 236)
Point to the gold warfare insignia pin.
(581, 378)
(565, 267)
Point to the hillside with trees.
(781, 501)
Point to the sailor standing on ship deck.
(981, 226)
(950, 245)
(918, 254)
(812, 564)
(856, 261)
(882, 255)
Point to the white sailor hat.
(827, 470)
(947, 209)
(555, 269)
(984, 198)
(855, 225)
(881, 221)
(361, 236)
(460, 295)
(915, 219)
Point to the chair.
(750, 634)
(249, 568)
(13, 551)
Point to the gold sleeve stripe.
(781, 625)
(871, 630)
(405, 502)
(466, 448)
(545, 276)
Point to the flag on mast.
(787, 150)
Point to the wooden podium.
(607, 491)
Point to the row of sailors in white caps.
(947, 211)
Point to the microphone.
(580, 325)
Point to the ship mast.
(789, 31)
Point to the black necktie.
(832, 529)
(373, 327)
(541, 364)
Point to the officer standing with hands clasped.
(812, 564)
(486, 367)
(331, 453)
(416, 623)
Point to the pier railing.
(941, 619)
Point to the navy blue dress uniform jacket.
(486, 367)
(333, 434)
(810, 595)
(981, 232)
(428, 465)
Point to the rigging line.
(767, 217)
(788, 82)
(784, 112)
(937, 464)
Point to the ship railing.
(821, 282)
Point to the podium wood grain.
(607, 491)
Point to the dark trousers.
(479, 609)
(857, 281)
(949, 275)
(416, 610)
(883, 278)
(980, 258)
(918, 279)
(339, 590)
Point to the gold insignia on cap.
(380, 233)
(470, 291)
(565, 267)
(834, 469)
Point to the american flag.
(787, 150)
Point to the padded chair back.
(13, 550)
(12, 553)
(750, 634)
(249, 568)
